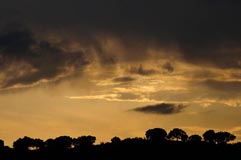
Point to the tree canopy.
(177, 134)
(156, 134)
(156, 143)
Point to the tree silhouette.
(224, 137)
(209, 136)
(50, 144)
(37, 143)
(156, 134)
(27, 143)
(23, 143)
(177, 134)
(184, 137)
(84, 141)
(62, 142)
(83, 147)
(195, 138)
(115, 140)
(1, 144)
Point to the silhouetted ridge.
(157, 144)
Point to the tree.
(184, 137)
(49, 143)
(63, 142)
(37, 143)
(84, 141)
(209, 136)
(27, 143)
(1, 143)
(177, 134)
(224, 137)
(23, 143)
(115, 140)
(195, 138)
(156, 134)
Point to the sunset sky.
(119, 67)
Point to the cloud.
(162, 108)
(225, 57)
(203, 32)
(236, 75)
(117, 31)
(168, 67)
(26, 60)
(130, 96)
(16, 43)
(229, 87)
(123, 79)
(142, 71)
(108, 97)
(113, 97)
(206, 74)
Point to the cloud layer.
(202, 31)
(64, 36)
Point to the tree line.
(156, 140)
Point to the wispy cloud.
(96, 97)
(123, 79)
(115, 97)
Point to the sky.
(119, 67)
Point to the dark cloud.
(228, 87)
(123, 79)
(168, 67)
(223, 2)
(163, 108)
(220, 56)
(26, 59)
(16, 43)
(142, 71)
(204, 32)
